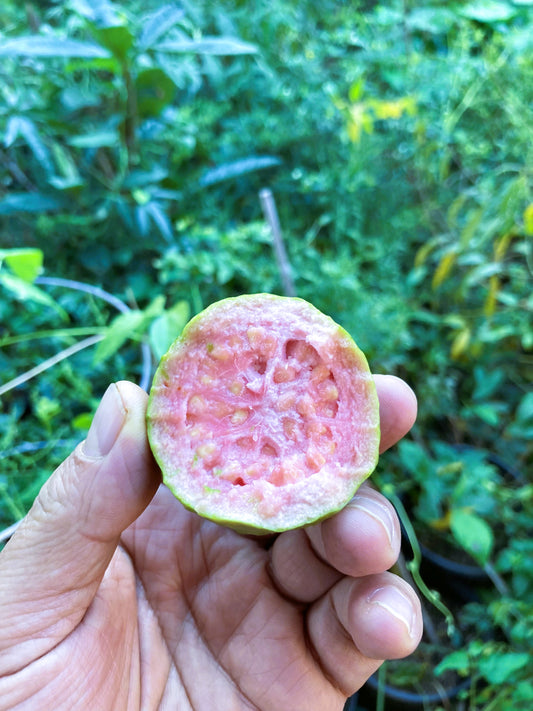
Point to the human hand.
(113, 596)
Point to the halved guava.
(263, 415)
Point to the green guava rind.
(237, 524)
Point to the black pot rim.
(414, 698)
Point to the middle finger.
(362, 539)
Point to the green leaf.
(24, 263)
(223, 46)
(436, 20)
(24, 291)
(155, 91)
(82, 421)
(98, 139)
(415, 459)
(473, 534)
(458, 661)
(66, 164)
(524, 412)
(160, 220)
(498, 668)
(131, 324)
(118, 39)
(237, 168)
(101, 12)
(122, 327)
(21, 126)
(35, 46)
(356, 90)
(166, 328)
(488, 11)
(158, 23)
(28, 202)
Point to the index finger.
(397, 408)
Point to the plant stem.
(49, 363)
(51, 333)
(146, 373)
(380, 700)
(414, 565)
(131, 119)
(9, 531)
(271, 216)
(87, 288)
(429, 627)
(500, 584)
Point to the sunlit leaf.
(488, 11)
(24, 263)
(101, 12)
(236, 168)
(35, 46)
(82, 421)
(158, 23)
(208, 45)
(356, 90)
(122, 328)
(166, 328)
(98, 139)
(127, 325)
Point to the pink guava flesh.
(263, 415)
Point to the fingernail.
(396, 603)
(379, 512)
(106, 424)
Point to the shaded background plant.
(396, 137)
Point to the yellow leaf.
(460, 343)
(422, 253)
(443, 269)
(528, 220)
(354, 132)
(502, 245)
(468, 231)
(393, 109)
(387, 109)
(442, 524)
(490, 302)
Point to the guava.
(263, 415)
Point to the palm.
(209, 624)
(174, 612)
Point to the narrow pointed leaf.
(208, 45)
(51, 47)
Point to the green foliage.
(396, 138)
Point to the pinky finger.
(361, 622)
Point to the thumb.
(51, 569)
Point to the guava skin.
(263, 415)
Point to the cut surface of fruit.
(263, 415)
